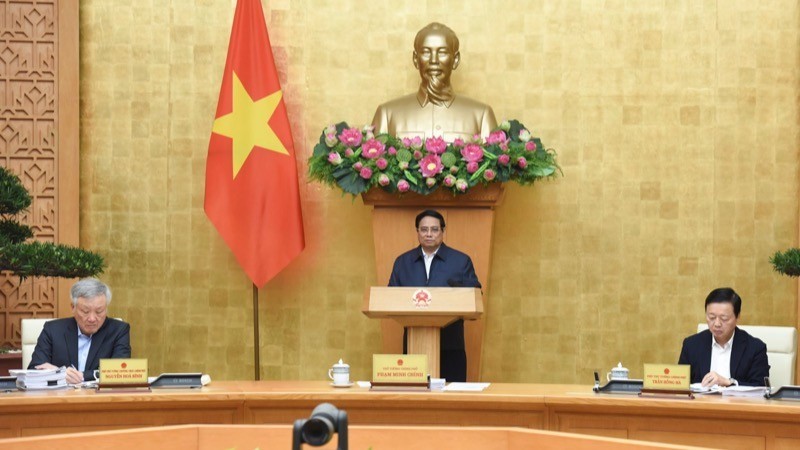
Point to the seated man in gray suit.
(79, 342)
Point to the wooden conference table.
(709, 421)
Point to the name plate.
(666, 376)
(178, 380)
(400, 369)
(123, 371)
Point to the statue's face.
(435, 59)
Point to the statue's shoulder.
(400, 102)
(470, 103)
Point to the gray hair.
(89, 288)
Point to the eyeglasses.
(432, 230)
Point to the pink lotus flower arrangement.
(357, 160)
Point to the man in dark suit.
(437, 265)
(725, 355)
(79, 342)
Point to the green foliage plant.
(27, 258)
(787, 262)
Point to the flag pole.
(256, 343)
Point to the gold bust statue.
(435, 110)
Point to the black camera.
(325, 421)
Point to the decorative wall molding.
(38, 50)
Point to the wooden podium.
(408, 307)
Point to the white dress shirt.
(721, 357)
(428, 260)
(84, 343)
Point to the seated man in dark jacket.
(725, 355)
(79, 342)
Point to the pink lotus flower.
(403, 186)
(530, 146)
(503, 159)
(458, 143)
(334, 158)
(504, 146)
(524, 135)
(431, 165)
(348, 152)
(414, 143)
(383, 179)
(365, 173)
(435, 145)
(392, 151)
(430, 182)
(357, 166)
(522, 162)
(381, 163)
(350, 137)
(449, 180)
(472, 167)
(461, 184)
(417, 155)
(330, 139)
(496, 137)
(489, 174)
(372, 149)
(472, 153)
(403, 165)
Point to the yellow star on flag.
(248, 124)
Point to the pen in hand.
(76, 369)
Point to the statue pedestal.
(470, 223)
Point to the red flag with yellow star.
(252, 194)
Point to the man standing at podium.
(79, 342)
(436, 265)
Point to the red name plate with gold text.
(666, 376)
(123, 371)
(399, 368)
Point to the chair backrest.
(31, 329)
(781, 350)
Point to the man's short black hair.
(429, 213)
(725, 295)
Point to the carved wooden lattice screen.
(39, 141)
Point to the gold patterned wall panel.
(34, 36)
(675, 122)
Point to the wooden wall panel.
(39, 120)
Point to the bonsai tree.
(32, 258)
(787, 263)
